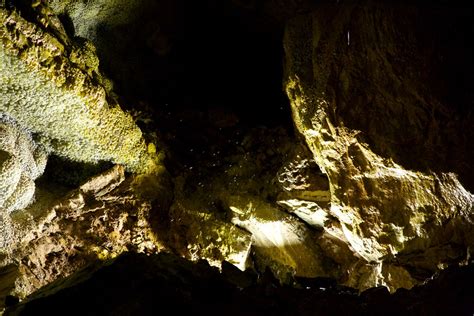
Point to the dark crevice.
(204, 81)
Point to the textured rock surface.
(103, 218)
(196, 232)
(301, 177)
(55, 90)
(51, 86)
(364, 84)
(91, 18)
(129, 35)
(381, 197)
(280, 241)
(21, 162)
(199, 235)
(241, 189)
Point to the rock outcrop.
(373, 190)
(21, 162)
(55, 90)
(364, 85)
(54, 100)
(103, 218)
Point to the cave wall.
(54, 88)
(372, 187)
(371, 95)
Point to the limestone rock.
(98, 221)
(21, 162)
(130, 36)
(300, 177)
(279, 240)
(196, 231)
(310, 212)
(217, 206)
(357, 79)
(381, 199)
(200, 235)
(55, 91)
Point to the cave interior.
(223, 92)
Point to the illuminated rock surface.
(56, 93)
(357, 79)
(54, 100)
(366, 182)
(100, 220)
(197, 233)
(21, 162)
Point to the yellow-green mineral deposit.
(61, 101)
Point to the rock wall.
(364, 82)
(101, 219)
(21, 162)
(54, 100)
(54, 89)
(373, 190)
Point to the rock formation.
(22, 161)
(99, 220)
(54, 100)
(357, 79)
(361, 183)
(55, 90)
